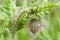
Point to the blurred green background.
(15, 15)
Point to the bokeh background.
(15, 15)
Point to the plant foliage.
(15, 15)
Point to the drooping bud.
(34, 25)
